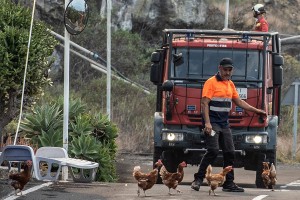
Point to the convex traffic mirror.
(76, 16)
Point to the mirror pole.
(66, 95)
(108, 110)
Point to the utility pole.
(226, 15)
(108, 92)
(66, 95)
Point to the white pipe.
(226, 15)
(25, 72)
(126, 80)
(296, 95)
(102, 69)
(290, 38)
(108, 40)
(73, 44)
(66, 95)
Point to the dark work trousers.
(221, 140)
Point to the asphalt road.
(288, 186)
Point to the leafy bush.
(91, 136)
(45, 118)
(52, 138)
(14, 33)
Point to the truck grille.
(195, 118)
(235, 119)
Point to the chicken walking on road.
(20, 179)
(216, 180)
(269, 175)
(146, 180)
(171, 180)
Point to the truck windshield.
(203, 63)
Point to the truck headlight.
(172, 136)
(256, 139)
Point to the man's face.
(225, 72)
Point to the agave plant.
(106, 159)
(43, 118)
(80, 126)
(84, 147)
(104, 130)
(76, 107)
(52, 138)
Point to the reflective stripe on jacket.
(220, 94)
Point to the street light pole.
(226, 15)
(108, 92)
(66, 95)
(295, 128)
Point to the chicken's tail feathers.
(136, 169)
(208, 170)
(163, 171)
(272, 168)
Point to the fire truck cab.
(186, 59)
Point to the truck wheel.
(259, 182)
(271, 157)
(157, 155)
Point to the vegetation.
(92, 135)
(131, 109)
(14, 34)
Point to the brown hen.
(20, 179)
(171, 180)
(146, 180)
(269, 175)
(216, 180)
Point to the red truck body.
(186, 59)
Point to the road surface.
(287, 188)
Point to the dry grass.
(285, 151)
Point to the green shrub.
(91, 136)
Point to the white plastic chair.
(58, 156)
(18, 153)
(51, 156)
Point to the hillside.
(142, 22)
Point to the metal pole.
(226, 15)
(290, 38)
(95, 55)
(295, 119)
(66, 96)
(108, 58)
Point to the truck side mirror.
(154, 73)
(278, 61)
(155, 57)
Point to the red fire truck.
(186, 59)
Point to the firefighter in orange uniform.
(261, 23)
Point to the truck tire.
(271, 157)
(157, 155)
(258, 181)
